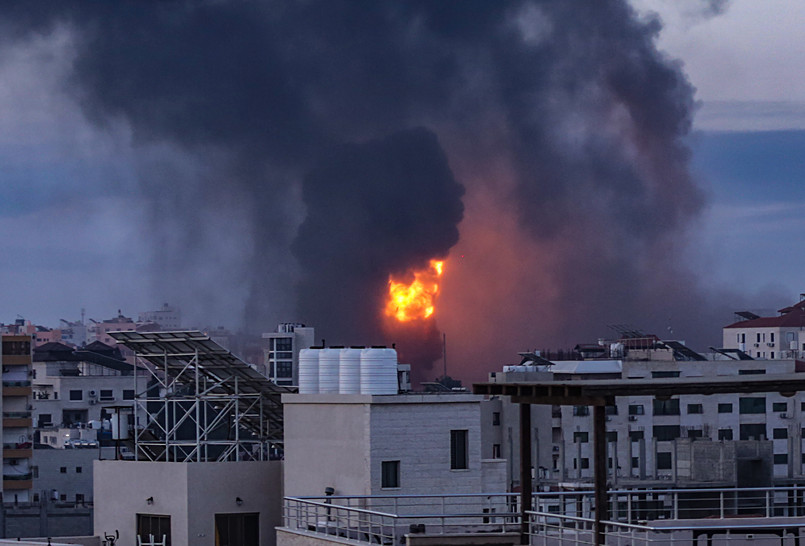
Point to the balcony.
(17, 450)
(13, 419)
(18, 482)
(17, 388)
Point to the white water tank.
(379, 371)
(349, 379)
(329, 361)
(309, 371)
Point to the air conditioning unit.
(770, 344)
(757, 344)
(609, 418)
(633, 417)
(93, 394)
(783, 416)
(13, 462)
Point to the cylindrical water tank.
(309, 371)
(349, 380)
(329, 360)
(379, 371)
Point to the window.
(35, 471)
(158, 526)
(752, 405)
(76, 395)
(636, 435)
(78, 470)
(284, 369)
(128, 394)
(665, 433)
(757, 339)
(771, 338)
(581, 437)
(496, 451)
(63, 469)
(635, 462)
(581, 411)
(725, 408)
(611, 410)
(585, 463)
(664, 461)
(636, 409)
(753, 432)
(107, 395)
(779, 406)
(663, 374)
(781, 458)
(725, 434)
(695, 433)
(666, 407)
(458, 450)
(694, 408)
(752, 372)
(779, 433)
(79, 498)
(237, 529)
(16, 348)
(45, 419)
(390, 474)
(496, 418)
(612, 436)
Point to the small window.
(635, 462)
(76, 395)
(390, 474)
(666, 433)
(664, 461)
(779, 433)
(752, 372)
(781, 458)
(663, 374)
(581, 437)
(725, 408)
(581, 411)
(496, 418)
(611, 410)
(35, 471)
(666, 407)
(79, 498)
(779, 406)
(725, 434)
(585, 463)
(496, 451)
(612, 436)
(107, 395)
(636, 409)
(752, 405)
(63, 470)
(694, 433)
(459, 459)
(128, 394)
(78, 470)
(636, 435)
(694, 408)
(63, 497)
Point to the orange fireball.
(416, 300)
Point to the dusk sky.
(86, 225)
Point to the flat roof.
(599, 392)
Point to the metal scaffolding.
(199, 402)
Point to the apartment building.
(282, 353)
(17, 430)
(780, 337)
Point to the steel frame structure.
(191, 391)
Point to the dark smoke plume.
(561, 119)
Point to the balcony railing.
(16, 383)
(18, 477)
(16, 414)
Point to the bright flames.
(415, 301)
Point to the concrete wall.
(191, 493)
(49, 476)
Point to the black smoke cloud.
(561, 119)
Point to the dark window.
(35, 471)
(725, 408)
(496, 451)
(781, 458)
(666, 407)
(107, 395)
(45, 419)
(611, 410)
(751, 372)
(585, 463)
(581, 437)
(694, 408)
(636, 409)
(779, 406)
(79, 498)
(779, 433)
(752, 405)
(663, 374)
(496, 418)
(458, 450)
(636, 435)
(283, 355)
(16, 348)
(76, 395)
(753, 432)
(284, 344)
(149, 525)
(284, 369)
(581, 411)
(725, 434)
(664, 461)
(390, 474)
(237, 529)
(665, 433)
(128, 394)
(635, 462)
(63, 469)
(612, 436)
(695, 433)
(78, 470)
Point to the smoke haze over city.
(279, 162)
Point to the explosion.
(415, 300)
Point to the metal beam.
(525, 471)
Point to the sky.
(109, 207)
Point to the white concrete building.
(780, 337)
(168, 317)
(386, 444)
(282, 354)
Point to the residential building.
(780, 337)
(168, 317)
(282, 354)
(99, 331)
(17, 428)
